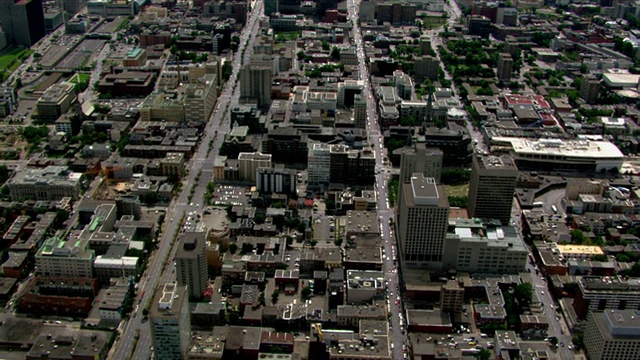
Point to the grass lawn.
(457, 190)
(433, 22)
(8, 57)
(79, 78)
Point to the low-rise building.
(55, 101)
(71, 258)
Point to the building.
(426, 67)
(319, 162)
(57, 343)
(22, 21)
(493, 181)
(579, 155)
(249, 163)
(596, 293)
(55, 101)
(505, 67)
(53, 19)
(351, 167)
(255, 81)
(200, 98)
(613, 335)
(50, 183)
(170, 322)
(71, 258)
(8, 99)
(107, 267)
(191, 263)
(420, 159)
(132, 83)
(589, 89)
(109, 8)
(276, 180)
(360, 112)
(286, 145)
(364, 286)
(422, 222)
(173, 165)
(487, 248)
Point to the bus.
(538, 204)
(554, 208)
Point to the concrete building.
(170, 322)
(422, 222)
(255, 82)
(173, 165)
(276, 180)
(589, 89)
(476, 247)
(55, 101)
(360, 112)
(108, 8)
(426, 67)
(8, 99)
(107, 267)
(613, 335)
(364, 286)
(351, 167)
(557, 154)
(319, 162)
(420, 159)
(505, 67)
(493, 181)
(191, 263)
(22, 21)
(50, 183)
(71, 258)
(597, 293)
(249, 163)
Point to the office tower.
(589, 89)
(170, 322)
(22, 21)
(613, 334)
(191, 263)
(505, 67)
(493, 181)
(255, 81)
(426, 67)
(319, 160)
(420, 159)
(360, 112)
(423, 213)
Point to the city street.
(397, 335)
(136, 342)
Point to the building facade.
(613, 335)
(493, 182)
(191, 263)
(422, 222)
(22, 21)
(170, 322)
(50, 183)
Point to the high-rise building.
(319, 160)
(589, 89)
(22, 21)
(191, 263)
(249, 163)
(170, 322)
(613, 334)
(420, 159)
(505, 67)
(426, 67)
(255, 81)
(493, 181)
(360, 112)
(598, 293)
(423, 213)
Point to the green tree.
(261, 299)
(484, 354)
(335, 54)
(602, 258)
(623, 258)
(274, 296)
(577, 236)
(233, 247)
(325, 45)
(4, 173)
(305, 292)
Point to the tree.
(335, 54)
(601, 258)
(325, 45)
(305, 292)
(261, 299)
(233, 247)
(484, 354)
(623, 258)
(577, 236)
(274, 296)
(4, 173)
